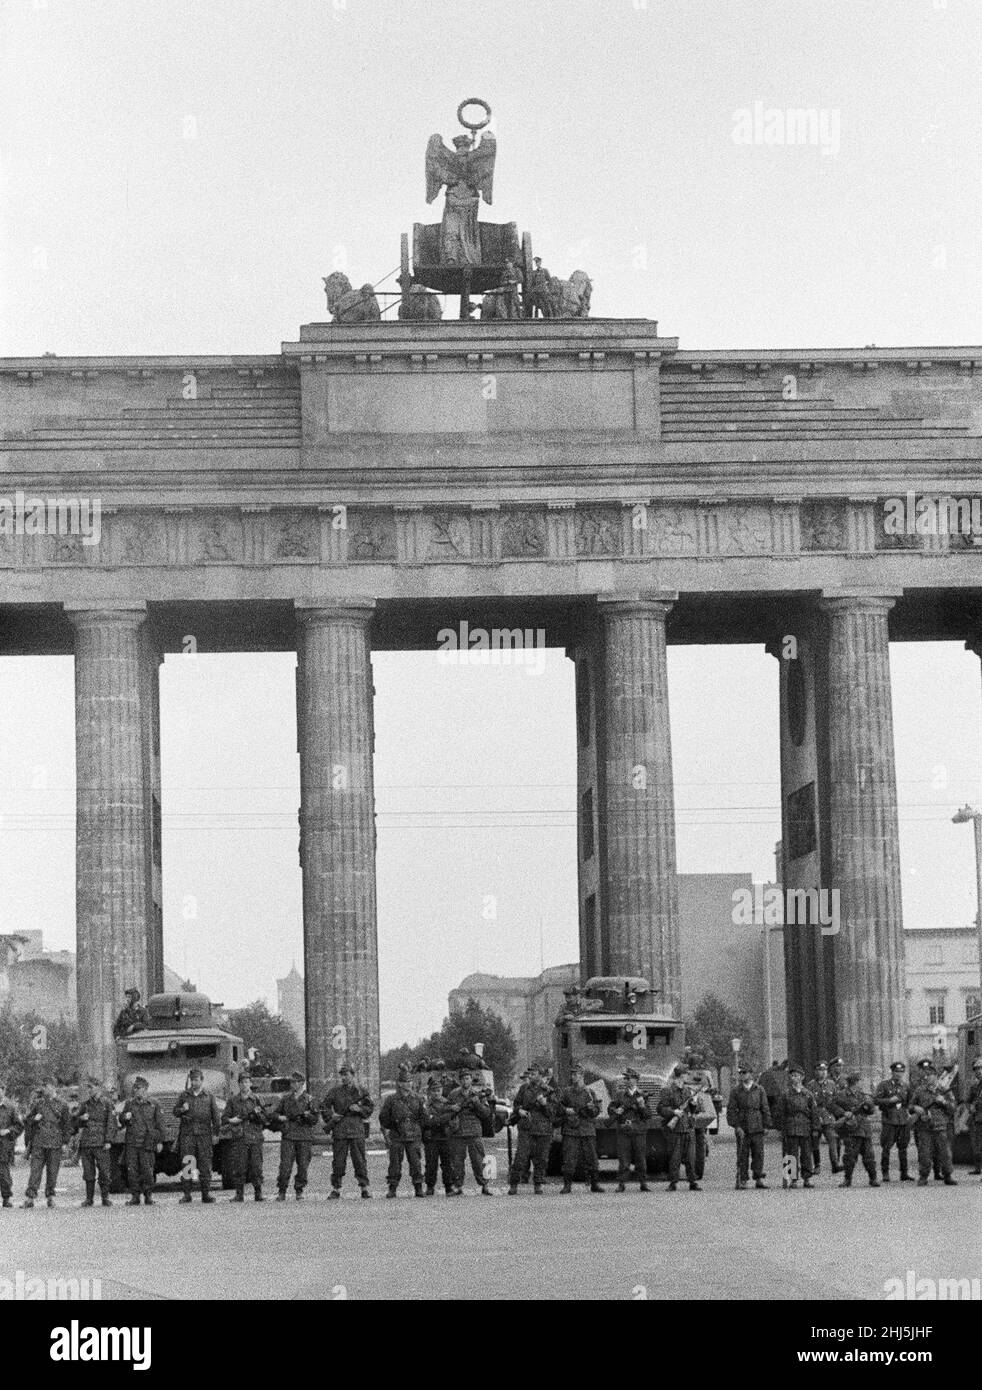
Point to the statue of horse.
(421, 306)
(346, 305)
(571, 298)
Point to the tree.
(711, 1028)
(468, 1026)
(391, 1061)
(31, 1049)
(274, 1040)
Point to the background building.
(34, 980)
(290, 1001)
(942, 985)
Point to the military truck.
(607, 1026)
(182, 1033)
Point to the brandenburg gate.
(374, 483)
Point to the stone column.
(114, 902)
(337, 840)
(641, 898)
(863, 837)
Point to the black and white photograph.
(491, 682)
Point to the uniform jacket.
(469, 1113)
(95, 1124)
(975, 1103)
(748, 1109)
(404, 1115)
(538, 1100)
(48, 1124)
(130, 1020)
(298, 1116)
(143, 1124)
(854, 1108)
(937, 1107)
(629, 1110)
(437, 1117)
(345, 1109)
(796, 1112)
(200, 1118)
(584, 1103)
(250, 1111)
(893, 1098)
(675, 1097)
(9, 1119)
(824, 1093)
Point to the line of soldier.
(834, 1107)
(437, 1133)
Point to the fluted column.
(337, 840)
(863, 836)
(641, 916)
(114, 832)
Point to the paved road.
(826, 1243)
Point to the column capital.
(858, 600)
(93, 614)
(658, 603)
(313, 612)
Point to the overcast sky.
(177, 177)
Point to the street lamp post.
(969, 813)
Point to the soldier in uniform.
(436, 1145)
(893, 1098)
(345, 1108)
(532, 1113)
(539, 295)
(10, 1127)
(95, 1124)
(578, 1110)
(823, 1088)
(749, 1115)
(246, 1118)
(133, 1018)
(796, 1116)
(975, 1115)
(144, 1126)
(197, 1111)
(402, 1117)
(931, 1108)
(48, 1130)
(852, 1107)
(469, 1112)
(297, 1118)
(631, 1112)
(678, 1107)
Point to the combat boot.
(49, 1201)
(741, 1184)
(513, 1191)
(846, 1182)
(807, 1183)
(105, 1200)
(147, 1199)
(391, 1192)
(89, 1195)
(281, 1195)
(949, 1181)
(673, 1187)
(643, 1187)
(694, 1187)
(922, 1182)
(335, 1195)
(366, 1196)
(239, 1195)
(259, 1195)
(595, 1187)
(620, 1187)
(537, 1190)
(7, 1202)
(759, 1182)
(207, 1198)
(486, 1191)
(28, 1203)
(566, 1189)
(135, 1201)
(419, 1190)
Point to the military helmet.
(898, 1066)
(132, 992)
(346, 1069)
(796, 1069)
